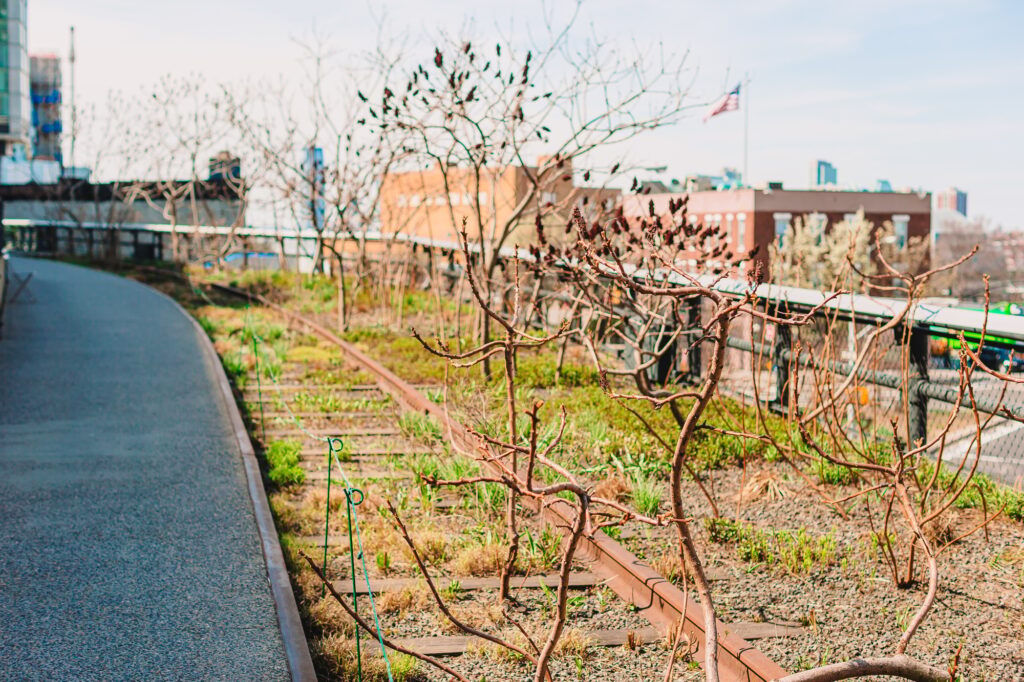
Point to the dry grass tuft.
(431, 544)
(574, 643)
(316, 498)
(330, 617)
(409, 598)
(944, 528)
(300, 520)
(615, 488)
(336, 654)
(670, 567)
(765, 484)
(337, 657)
(493, 652)
(479, 561)
(308, 583)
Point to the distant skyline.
(925, 94)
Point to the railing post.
(917, 402)
(780, 367)
(694, 369)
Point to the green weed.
(798, 552)
(283, 461)
(832, 474)
(234, 365)
(419, 426)
(722, 530)
(646, 494)
(541, 550)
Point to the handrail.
(1004, 331)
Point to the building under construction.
(45, 78)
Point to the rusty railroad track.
(658, 600)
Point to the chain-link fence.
(926, 396)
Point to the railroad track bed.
(290, 409)
(787, 573)
(803, 584)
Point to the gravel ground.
(591, 610)
(851, 607)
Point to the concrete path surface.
(128, 543)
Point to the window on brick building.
(817, 223)
(781, 225)
(901, 228)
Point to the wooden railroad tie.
(456, 645)
(320, 475)
(333, 433)
(358, 454)
(255, 415)
(360, 388)
(577, 581)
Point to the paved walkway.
(128, 545)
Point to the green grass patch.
(312, 354)
(420, 427)
(830, 473)
(646, 493)
(283, 462)
(540, 371)
(981, 493)
(796, 551)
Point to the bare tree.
(955, 235)
(646, 261)
(470, 117)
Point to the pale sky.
(923, 93)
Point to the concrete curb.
(300, 663)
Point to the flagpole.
(746, 127)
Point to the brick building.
(431, 204)
(757, 217)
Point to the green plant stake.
(259, 387)
(352, 501)
(327, 511)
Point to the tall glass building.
(15, 104)
(825, 174)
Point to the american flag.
(728, 102)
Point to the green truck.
(994, 357)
